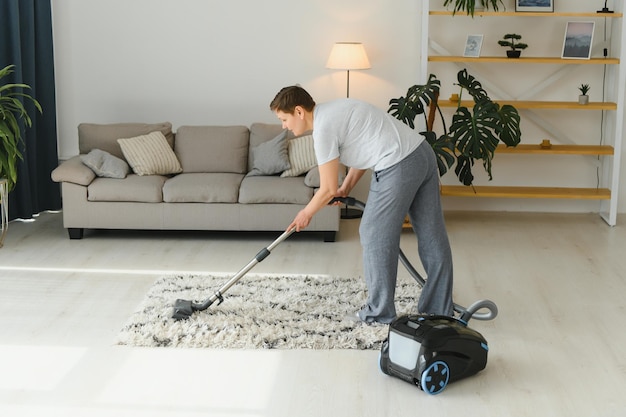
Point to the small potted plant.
(511, 40)
(583, 98)
(468, 6)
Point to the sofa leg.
(75, 233)
(330, 236)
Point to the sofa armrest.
(73, 170)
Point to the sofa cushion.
(103, 164)
(202, 188)
(104, 136)
(133, 188)
(274, 189)
(73, 170)
(213, 148)
(150, 155)
(271, 157)
(301, 156)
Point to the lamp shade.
(348, 56)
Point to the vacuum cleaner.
(432, 351)
(428, 351)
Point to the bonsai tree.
(468, 6)
(473, 135)
(13, 118)
(509, 40)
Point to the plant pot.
(583, 99)
(513, 54)
(4, 209)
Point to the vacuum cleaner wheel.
(381, 366)
(435, 377)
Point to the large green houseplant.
(12, 110)
(13, 118)
(473, 134)
(468, 6)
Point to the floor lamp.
(348, 56)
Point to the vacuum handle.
(349, 201)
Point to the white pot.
(583, 99)
(4, 209)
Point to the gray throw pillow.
(271, 157)
(312, 178)
(103, 164)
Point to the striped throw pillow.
(301, 156)
(150, 155)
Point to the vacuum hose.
(465, 314)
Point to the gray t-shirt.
(361, 135)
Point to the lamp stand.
(347, 212)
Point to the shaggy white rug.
(262, 311)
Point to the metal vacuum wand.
(185, 308)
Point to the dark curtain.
(26, 42)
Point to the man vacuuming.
(405, 180)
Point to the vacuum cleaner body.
(432, 351)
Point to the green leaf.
(474, 133)
(463, 170)
(472, 85)
(510, 132)
(443, 148)
(418, 98)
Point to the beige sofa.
(227, 178)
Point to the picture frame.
(546, 6)
(473, 45)
(578, 40)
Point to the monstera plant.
(12, 111)
(474, 133)
(468, 6)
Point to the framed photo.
(473, 45)
(578, 40)
(534, 6)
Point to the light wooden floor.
(556, 349)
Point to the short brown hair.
(289, 97)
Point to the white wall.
(221, 62)
(209, 61)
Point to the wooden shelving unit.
(610, 153)
(557, 149)
(526, 192)
(527, 104)
(525, 60)
(531, 14)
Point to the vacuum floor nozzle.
(183, 309)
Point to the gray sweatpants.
(411, 186)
